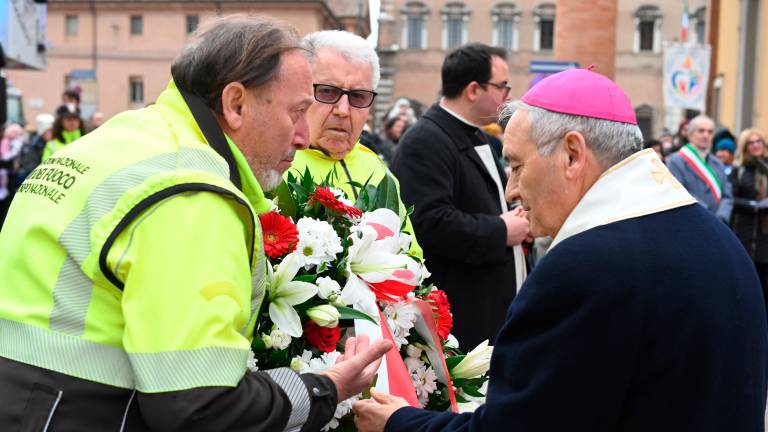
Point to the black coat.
(648, 324)
(749, 222)
(456, 220)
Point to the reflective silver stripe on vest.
(297, 392)
(258, 278)
(73, 289)
(185, 369)
(69, 355)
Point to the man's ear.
(472, 90)
(576, 150)
(232, 104)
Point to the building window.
(136, 90)
(192, 22)
(455, 18)
(644, 114)
(72, 25)
(137, 24)
(699, 25)
(544, 30)
(415, 29)
(648, 29)
(506, 17)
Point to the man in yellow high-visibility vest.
(132, 269)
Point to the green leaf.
(349, 313)
(460, 399)
(386, 195)
(306, 278)
(285, 200)
(451, 362)
(472, 391)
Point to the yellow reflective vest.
(359, 165)
(95, 284)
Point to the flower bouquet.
(337, 268)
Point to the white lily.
(475, 363)
(376, 268)
(284, 293)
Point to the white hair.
(610, 141)
(694, 123)
(352, 47)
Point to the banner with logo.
(686, 74)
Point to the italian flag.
(684, 24)
(691, 156)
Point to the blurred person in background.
(667, 142)
(97, 119)
(394, 128)
(701, 172)
(10, 147)
(32, 151)
(70, 101)
(750, 190)
(67, 127)
(656, 145)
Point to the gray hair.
(610, 141)
(235, 48)
(352, 47)
(693, 124)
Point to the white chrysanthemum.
(327, 287)
(413, 351)
(318, 242)
(300, 364)
(425, 382)
(413, 363)
(341, 196)
(324, 362)
(342, 409)
(280, 339)
(252, 362)
(400, 317)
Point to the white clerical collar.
(637, 186)
(460, 118)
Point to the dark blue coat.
(649, 324)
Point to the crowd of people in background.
(23, 149)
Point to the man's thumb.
(380, 397)
(374, 352)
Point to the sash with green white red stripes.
(691, 156)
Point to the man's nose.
(341, 107)
(512, 192)
(301, 134)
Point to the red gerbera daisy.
(325, 197)
(280, 234)
(442, 310)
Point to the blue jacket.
(648, 324)
(696, 186)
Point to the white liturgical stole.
(637, 186)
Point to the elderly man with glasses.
(451, 175)
(345, 70)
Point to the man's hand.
(355, 369)
(517, 227)
(371, 415)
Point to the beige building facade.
(118, 53)
(414, 37)
(739, 92)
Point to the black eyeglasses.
(328, 94)
(503, 86)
